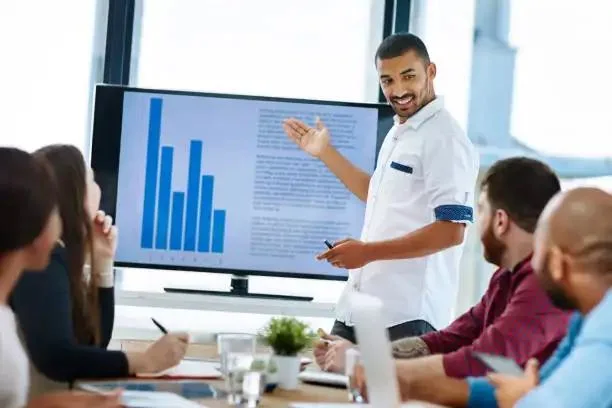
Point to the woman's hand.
(166, 352)
(104, 237)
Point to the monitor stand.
(239, 288)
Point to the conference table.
(276, 399)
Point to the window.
(562, 83)
(48, 69)
(548, 85)
(447, 30)
(605, 183)
(316, 49)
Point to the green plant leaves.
(287, 336)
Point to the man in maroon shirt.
(515, 317)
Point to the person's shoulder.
(57, 263)
(59, 252)
(526, 286)
(7, 318)
(520, 279)
(524, 278)
(496, 276)
(444, 128)
(443, 119)
(597, 325)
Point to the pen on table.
(329, 244)
(159, 326)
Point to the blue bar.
(152, 161)
(163, 201)
(206, 197)
(176, 226)
(218, 235)
(193, 194)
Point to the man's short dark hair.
(396, 45)
(522, 187)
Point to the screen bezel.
(106, 147)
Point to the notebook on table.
(323, 378)
(347, 405)
(152, 399)
(185, 389)
(198, 369)
(189, 369)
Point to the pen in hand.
(159, 326)
(184, 338)
(329, 244)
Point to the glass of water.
(234, 343)
(238, 366)
(352, 362)
(255, 380)
(236, 352)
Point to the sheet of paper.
(341, 405)
(323, 377)
(189, 369)
(148, 399)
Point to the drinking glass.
(234, 343)
(253, 386)
(236, 353)
(238, 366)
(352, 361)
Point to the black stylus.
(329, 245)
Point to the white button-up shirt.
(426, 171)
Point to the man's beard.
(419, 99)
(556, 295)
(493, 248)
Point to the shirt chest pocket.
(403, 175)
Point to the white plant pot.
(288, 371)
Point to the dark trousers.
(400, 331)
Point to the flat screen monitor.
(210, 182)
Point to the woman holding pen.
(30, 227)
(66, 313)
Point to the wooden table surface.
(277, 399)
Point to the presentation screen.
(211, 182)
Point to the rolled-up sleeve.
(450, 171)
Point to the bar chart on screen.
(214, 183)
(172, 219)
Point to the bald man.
(573, 261)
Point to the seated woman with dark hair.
(66, 313)
(30, 229)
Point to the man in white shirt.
(419, 199)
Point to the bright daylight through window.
(47, 79)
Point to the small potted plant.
(287, 337)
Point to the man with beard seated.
(573, 261)
(514, 318)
